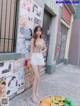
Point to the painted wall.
(14, 75)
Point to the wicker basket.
(29, 77)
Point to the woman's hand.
(31, 51)
(28, 64)
(44, 47)
(43, 51)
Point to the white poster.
(21, 48)
(6, 68)
(12, 85)
(25, 7)
(25, 25)
(26, 18)
(18, 63)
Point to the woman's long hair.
(35, 36)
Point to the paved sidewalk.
(65, 81)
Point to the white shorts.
(37, 59)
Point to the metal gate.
(62, 44)
(8, 14)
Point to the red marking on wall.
(28, 9)
(26, 5)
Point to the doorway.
(62, 44)
(47, 18)
(46, 27)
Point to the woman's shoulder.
(32, 39)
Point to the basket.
(29, 77)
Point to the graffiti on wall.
(29, 17)
(25, 29)
(12, 78)
(37, 10)
(2, 86)
(6, 68)
(12, 84)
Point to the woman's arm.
(31, 48)
(44, 47)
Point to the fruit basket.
(56, 101)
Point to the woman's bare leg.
(36, 77)
(38, 82)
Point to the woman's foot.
(35, 100)
(37, 95)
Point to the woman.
(36, 59)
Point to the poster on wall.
(21, 45)
(27, 48)
(37, 10)
(12, 85)
(26, 19)
(2, 86)
(25, 25)
(25, 7)
(18, 63)
(21, 82)
(6, 68)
